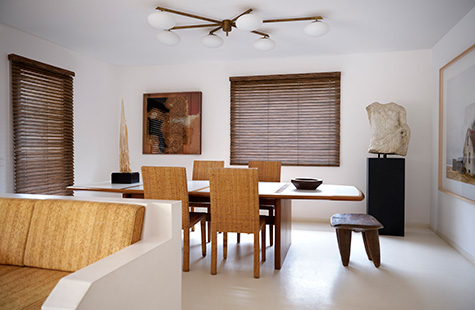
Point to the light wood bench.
(345, 223)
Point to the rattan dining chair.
(201, 168)
(268, 171)
(170, 183)
(201, 172)
(235, 208)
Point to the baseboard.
(417, 225)
(310, 220)
(464, 253)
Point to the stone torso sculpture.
(389, 132)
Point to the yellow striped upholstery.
(15, 216)
(26, 288)
(68, 235)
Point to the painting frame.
(453, 177)
(172, 123)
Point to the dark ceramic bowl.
(306, 183)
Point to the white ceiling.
(116, 31)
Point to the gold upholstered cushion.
(70, 234)
(15, 216)
(26, 288)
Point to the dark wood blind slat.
(42, 104)
(292, 118)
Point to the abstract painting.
(172, 123)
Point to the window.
(42, 101)
(291, 118)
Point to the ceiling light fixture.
(212, 40)
(316, 29)
(248, 22)
(264, 44)
(245, 21)
(161, 20)
(168, 38)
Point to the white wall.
(401, 77)
(452, 218)
(96, 106)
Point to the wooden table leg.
(283, 230)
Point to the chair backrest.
(168, 183)
(234, 200)
(268, 171)
(201, 168)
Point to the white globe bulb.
(248, 22)
(161, 20)
(168, 38)
(212, 40)
(264, 44)
(317, 29)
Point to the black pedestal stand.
(125, 177)
(385, 193)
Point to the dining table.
(280, 193)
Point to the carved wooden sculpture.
(124, 144)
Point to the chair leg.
(214, 251)
(186, 249)
(209, 231)
(372, 238)
(366, 245)
(263, 240)
(238, 238)
(271, 234)
(344, 244)
(256, 255)
(203, 237)
(225, 245)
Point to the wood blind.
(292, 118)
(42, 105)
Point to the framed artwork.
(172, 123)
(457, 126)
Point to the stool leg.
(344, 244)
(366, 246)
(372, 239)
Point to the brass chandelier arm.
(188, 15)
(215, 29)
(291, 19)
(261, 33)
(197, 26)
(244, 13)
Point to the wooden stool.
(345, 223)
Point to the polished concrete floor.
(418, 271)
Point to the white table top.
(278, 190)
